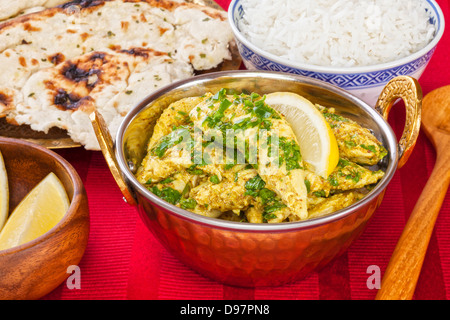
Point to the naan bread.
(60, 63)
(110, 81)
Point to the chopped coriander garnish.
(320, 193)
(370, 148)
(343, 163)
(308, 185)
(333, 181)
(254, 185)
(166, 180)
(214, 179)
(228, 166)
(188, 204)
(277, 205)
(350, 143)
(291, 154)
(168, 194)
(194, 170)
(213, 120)
(266, 195)
(219, 95)
(334, 117)
(172, 139)
(269, 216)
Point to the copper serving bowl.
(245, 254)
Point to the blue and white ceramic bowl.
(363, 82)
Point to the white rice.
(338, 33)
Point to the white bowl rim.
(342, 70)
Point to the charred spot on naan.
(143, 52)
(73, 72)
(83, 3)
(56, 58)
(82, 70)
(71, 101)
(138, 52)
(28, 27)
(85, 71)
(6, 100)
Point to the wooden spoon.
(403, 270)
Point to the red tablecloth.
(124, 261)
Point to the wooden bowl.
(35, 268)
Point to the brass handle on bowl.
(107, 146)
(409, 90)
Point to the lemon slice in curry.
(317, 142)
(4, 193)
(40, 210)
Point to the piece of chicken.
(346, 176)
(355, 142)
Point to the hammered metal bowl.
(244, 254)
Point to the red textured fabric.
(124, 261)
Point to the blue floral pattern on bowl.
(347, 81)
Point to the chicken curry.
(232, 156)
